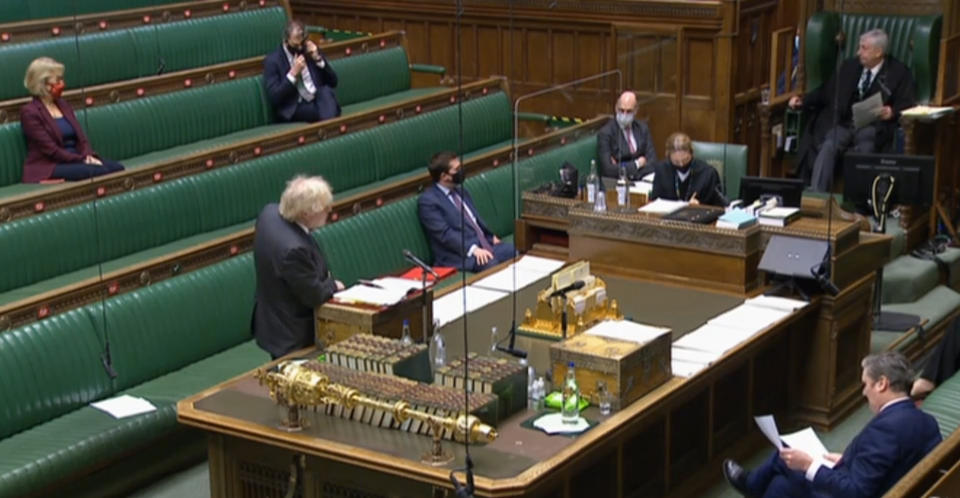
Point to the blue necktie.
(864, 83)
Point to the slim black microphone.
(883, 86)
(574, 286)
(415, 260)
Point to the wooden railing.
(69, 26)
(139, 275)
(926, 474)
(948, 81)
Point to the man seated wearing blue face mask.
(625, 141)
(458, 236)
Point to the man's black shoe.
(736, 476)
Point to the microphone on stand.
(574, 286)
(416, 261)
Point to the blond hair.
(679, 141)
(41, 69)
(305, 195)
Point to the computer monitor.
(913, 178)
(754, 187)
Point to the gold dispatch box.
(629, 369)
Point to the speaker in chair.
(796, 261)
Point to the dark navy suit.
(441, 221)
(283, 95)
(292, 279)
(886, 449)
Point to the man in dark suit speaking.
(292, 274)
(458, 236)
(298, 80)
(870, 72)
(897, 437)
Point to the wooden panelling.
(714, 53)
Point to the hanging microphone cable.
(461, 490)
(105, 358)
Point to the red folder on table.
(416, 273)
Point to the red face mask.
(56, 89)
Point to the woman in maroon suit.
(57, 148)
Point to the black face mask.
(684, 169)
(295, 50)
(458, 177)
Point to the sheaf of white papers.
(805, 440)
(641, 188)
(503, 280)
(625, 330)
(684, 369)
(450, 307)
(124, 406)
(662, 206)
(808, 442)
(716, 339)
(749, 319)
(703, 358)
(537, 264)
(768, 426)
(361, 293)
(777, 303)
(398, 284)
(552, 423)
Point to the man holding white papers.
(292, 274)
(683, 178)
(897, 437)
(872, 71)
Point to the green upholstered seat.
(951, 256)
(914, 40)
(50, 245)
(730, 161)
(933, 306)
(25, 10)
(906, 279)
(944, 404)
(123, 54)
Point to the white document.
(450, 307)
(396, 284)
(503, 280)
(777, 303)
(685, 369)
(768, 426)
(808, 442)
(649, 178)
(716, 339)
(124, 406)
(641, 187)
(749, 319)
(367, 294)
(625, 330)
(537, 264)
(704, 358)
(867, 111)
(662, 206)
(552, 423)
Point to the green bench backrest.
(24, 10)
(129, 129)
(913, 40)
(371, 75)
(944, 404)
(118, 55)
(730, 161)
(44, 246)
(170, 324)
(49, 368)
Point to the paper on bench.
(662, 206)
(124, 406)
(361, 293)
(450, 307)
(749, 319)
(777, 303)
(685, 369)
(704, 358)
(712, 338)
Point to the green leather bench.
(53, 249)
(168, 341)
(164, 127)
(182, 335)
(944, 404)
(117, 55)
(25, 10)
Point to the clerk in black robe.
(681, 177)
